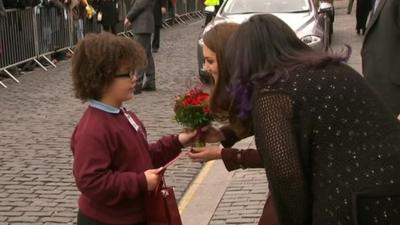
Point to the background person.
(141, 17)
(381, 52)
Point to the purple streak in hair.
(242, 97)
(241, 90)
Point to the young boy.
(113, 162)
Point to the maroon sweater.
(110, 158)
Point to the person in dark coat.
(141, 17)
(160, 8)
(329, 145)
(362, 13)
(109, 15)
(381, 52)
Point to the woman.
(213, 52)
(330, 147)
(114, 165)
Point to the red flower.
(202, 97)
(195, 98)
(186, 102)
(192, 109)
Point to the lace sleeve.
(275, 139)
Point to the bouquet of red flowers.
(192, 109)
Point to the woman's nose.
(206, 67)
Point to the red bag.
(161, 206)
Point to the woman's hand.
(153, 178)
(205, 154)
(211, 134)
(188, 137)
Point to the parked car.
(313, 26)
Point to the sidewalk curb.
(205, 193)
(194, 186)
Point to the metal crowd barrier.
(54, 32)
(16, 40)
(31, 35)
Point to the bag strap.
(162, 183)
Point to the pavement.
(38, 115)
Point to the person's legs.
(363, 9)
(209, 17)
(156, 38)
(149, 72)
(350, 6)
(217, 9)
(114, 28)
(80, 33)
(140, 73)
(150, 84)
(363, 20)
(106, 28)
(359, 6)
(171, 11)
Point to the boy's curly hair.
(97, 59)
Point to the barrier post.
(36, 38)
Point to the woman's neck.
(110, 101)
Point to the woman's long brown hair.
(220, 100)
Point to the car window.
(265, 6)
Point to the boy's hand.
(153, 178)
(188, 137)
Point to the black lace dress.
(331, 149)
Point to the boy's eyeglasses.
(131, 75)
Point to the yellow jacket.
(89, 9)
(211, 2)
